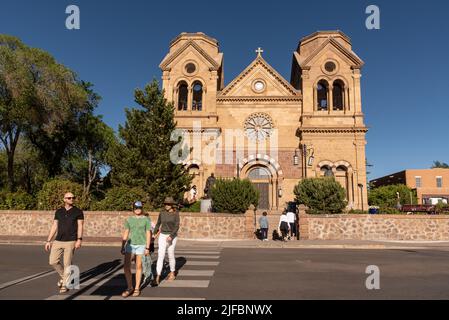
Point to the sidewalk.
(256, 244)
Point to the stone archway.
(343, 173)
(195, 168)
(266, 175)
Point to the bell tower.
(192, 75)
(328, 72)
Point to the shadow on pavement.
(99, 273)
(117, 284)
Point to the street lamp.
(311, 159)
(296, 158)
(307, 152)
(398, 205)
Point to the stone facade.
(374, 227)
(110, 224)
(262, 127)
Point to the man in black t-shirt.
(68, 228)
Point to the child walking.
(136, 242)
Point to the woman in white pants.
(167, 230)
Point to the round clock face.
(259, 85)
(258, 126)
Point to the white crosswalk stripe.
(202, 263)
(196, 273)
(185, 284)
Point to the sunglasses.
(70, 198)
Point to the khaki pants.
(65, 250)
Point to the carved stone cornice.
(221, 99)
(328, 130)
(166, 62)
(260, 61)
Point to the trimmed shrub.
(321, 195)
(194, 207)
(17, 201)
(121, 199)
(353, 211)
(390, 211)
(233, 196)
(386, 196)
(442, 208)
(51, 196)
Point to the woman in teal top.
(136, 241)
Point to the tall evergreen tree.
(440, 165)
(142, 159)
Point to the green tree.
(30, 172)
(321, 195)
(15, 98)
(386, 196)
(58, 123)
(51, 196)
(40, 99)
(234, 196)
(438, 164)
(121, 199)
(142, 158)
(87, 156)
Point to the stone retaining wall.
(219, 226)
(374, 227)
(110, 224)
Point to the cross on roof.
(259, 51)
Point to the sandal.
(60, 283)
(63, 289)
(127, 293)
(136, 293)
(171, 276)
(156, 281)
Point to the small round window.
(330, 66)
(259, 86)
(190, 68)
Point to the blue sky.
(121, 43)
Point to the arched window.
(197, 102)
(194, 170)
(322, 94)
(259, 173)
(338, 95)
(326, 171)
(183, 93)
(343, 179)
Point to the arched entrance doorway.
(267, 176)
(260, 177)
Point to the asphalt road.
(234, 274)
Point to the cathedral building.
(267, 129)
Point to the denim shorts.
(135, 249)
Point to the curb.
(230, 246)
